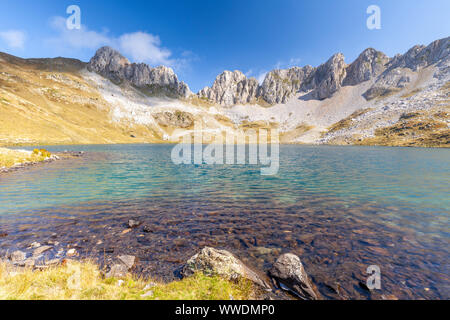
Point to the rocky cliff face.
(419, 57)
(280, 85)
(329, 76)
(368, 65)
(156, 81)
(231, 88)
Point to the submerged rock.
(290, 275)
(211, 261)
(35, 245)
(38, 251)
(71, 253)
(133, 223)
(147, 229)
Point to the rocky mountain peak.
(109, 63)
(420, 56)
(400, 70)
(161, 80)
(369, 64)
(230, 88)
(329, 76)
(281, 84)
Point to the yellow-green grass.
(10, 158)
(84, 281)
(424, 128)
(347, 122)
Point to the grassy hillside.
(417, 129)
(45, 101)
(49, 102)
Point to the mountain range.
(375, 100)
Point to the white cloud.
(141, 46)
(14, 39)
(261, 77)
(77, 38)
(294, 62)
(137, 46)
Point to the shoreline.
(175, 143)
(207, 265)
(54, 157)
(85, 280)
(161, 256)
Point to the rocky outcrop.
(419, 57)
(211, 261)
(231, 88)
(290, 275)
(280, 85)
(132, 223)
(179, 119)
(156, 81)
(17, 256)
(328, 77)
(368, 65)
(400, 70)
(125, 263)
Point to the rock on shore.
(289, 273)
(211, 261)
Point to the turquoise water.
(416, 180)
(392, 194)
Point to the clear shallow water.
(356, 204)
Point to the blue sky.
(200, 39)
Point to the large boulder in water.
(290, 275)
(211, 262)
